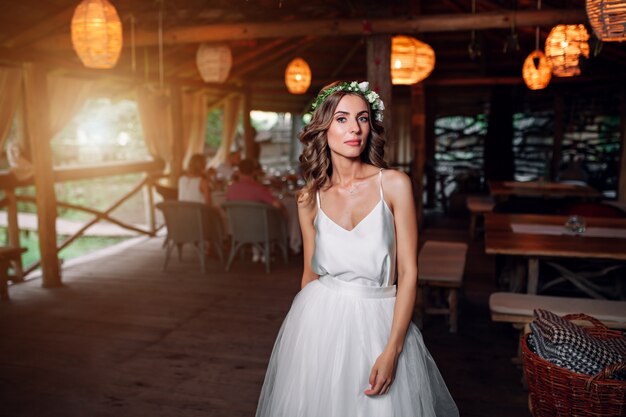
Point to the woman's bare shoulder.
(306, 201)
(396, 181)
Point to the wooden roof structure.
(346, 40)
(264, 35)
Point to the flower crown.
(362, 88)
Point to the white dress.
(337, 327)
(189, 189)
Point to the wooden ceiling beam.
(346, 27)
(505, 80)
(270, 57)
(41, 29)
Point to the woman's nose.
(355, 127)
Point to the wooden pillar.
(248, 132)
(14, 231)
(430, 162)
(418, 139)
(178, 144)
(559, 132)
(379, 75)
(149, 208)
(498, 151)
(38, 132)
(621, 192)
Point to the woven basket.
(559, 392)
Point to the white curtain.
(229, 129)
(156, 122)
(10, 89)
(67, 96)
(194, 121)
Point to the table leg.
(533, 276)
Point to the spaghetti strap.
(317, 198)
(382, 197)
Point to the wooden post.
(148, 201)
(379, 76)
(178, 151)
(418, 138)
(559, 132)
(14, 231)
(248, 131)
(38, 133)
(498, 150)
(430, 162)
(621, 192)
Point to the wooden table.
(501, 190)
(7, 255)
(502, 240)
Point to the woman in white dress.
(347, 347)
(193, 184)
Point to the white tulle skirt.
(325, 351)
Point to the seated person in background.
(226, 169)
(211, 176)
(193, 185)
(249, 189)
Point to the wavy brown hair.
(315, 162)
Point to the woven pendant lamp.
(411, 60)
(608, 19)
(298, 76)
(564, 46)
(97, 33)
(214, 62)
(536, 71)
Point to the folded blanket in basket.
(569, 346)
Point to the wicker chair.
(190, 222)
(256, 224)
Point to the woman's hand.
(383, 373)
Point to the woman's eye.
(364, 119)
(341, 119)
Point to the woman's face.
(350, 128)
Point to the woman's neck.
(347, 170)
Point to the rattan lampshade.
(298, 76)
(411, 60)
(564, 46)
(608, 19)
(536, 71)
(214, 62)
(97, 33)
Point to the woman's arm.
(399, 193)
(307, 209)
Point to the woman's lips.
(355, 142)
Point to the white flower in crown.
(371, 96)
(381, 105)
(364, 86)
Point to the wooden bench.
(441, 265)
(517, 309)
(7, 256)
(478, 206)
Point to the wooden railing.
(152, 170)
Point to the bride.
(347, 346)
